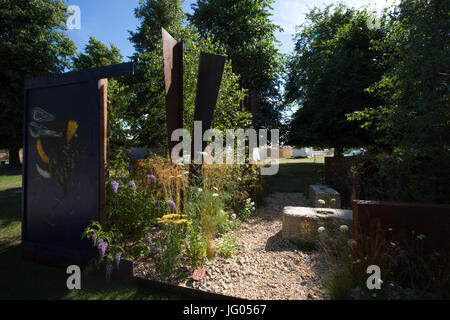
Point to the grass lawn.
(23, 279)
(295, 175)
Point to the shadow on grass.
(11, 208)
(24, 279)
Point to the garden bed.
(263, 266)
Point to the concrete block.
(325, 193)
(302, 223)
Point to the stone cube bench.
(325, 193)
(302, 223)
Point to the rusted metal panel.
(173, 83)
(208, 84)
(380, 220)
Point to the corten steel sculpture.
(173, 84)
(64, 161)
(210, 72)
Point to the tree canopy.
(97, 54)
(245, 28)
(414, 112)
(138, 104)
(32, 43)
(154, 14)
(331, 67)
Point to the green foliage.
(414, 89)
(328, 73)
(96, 54)
(227, 245)
(247, 31)
(173, 232)
(403, 177)
(32, 43)
(154, 14)
(195, 245)
(247, 209)
(95, 232)
(141, 104)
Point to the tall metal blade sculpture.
(173, 83)
(208, 84)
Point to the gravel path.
(264, 266)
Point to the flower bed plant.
(158, 214)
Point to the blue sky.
(110, 20)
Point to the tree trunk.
(338, 152)
(14, 157)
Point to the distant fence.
(282, 152)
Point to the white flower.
(239, 178)
(215, 195)
(343, 228)
(321, 201)
(321, 229)
(233, 216)
(252, 203)
(200, 190)
(420, 237)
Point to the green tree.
(139, 106)
(245, 28)
(414, 89)
(154, 14)
(146, 124)
(32, 43)
(331, 67)
(97, 54)
(142, 108)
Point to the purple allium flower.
(132, 185)
(102, 246)
(118, 237)
(109, 271)
(157, 204)
(114, 186)
(117, 258)
(94, 238)
(152, 178)
(172, 205)
(149, 241)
